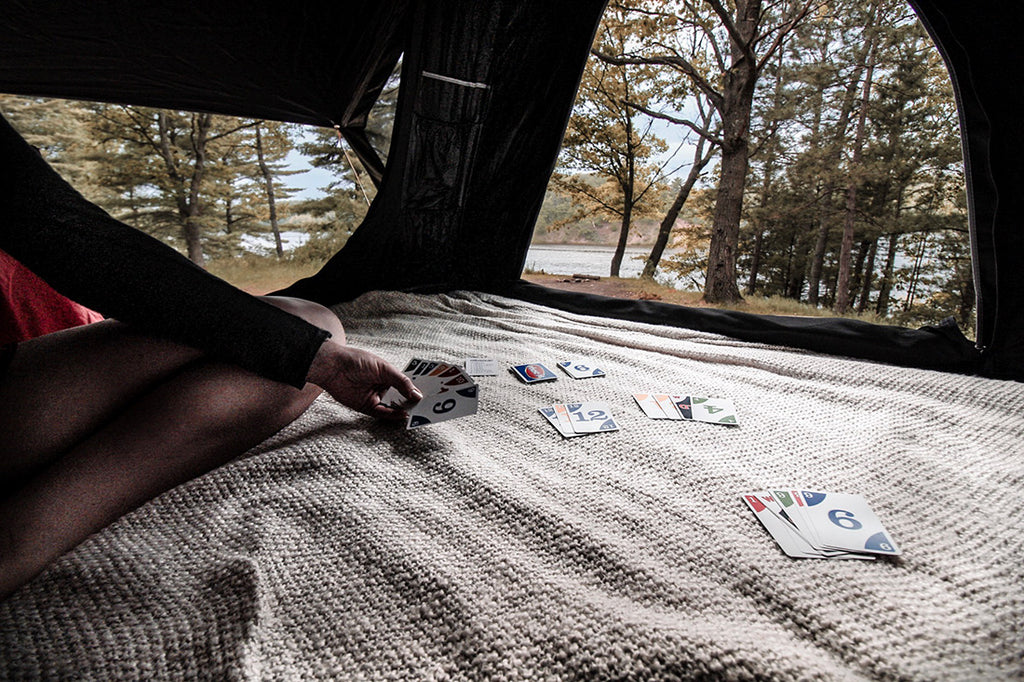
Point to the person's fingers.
(388, 414)
(402, 383)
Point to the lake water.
(570, 259)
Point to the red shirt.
(29, 307)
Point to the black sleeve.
(93, 259)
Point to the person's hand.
(358, 379)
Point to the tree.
(609, 138)
(58, 129)
(850, 213)
(738, 41)
(347, 197)
(178, 160)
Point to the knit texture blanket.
(489, 548)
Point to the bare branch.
(703, 131)
(734, 32)
(675, 62)
(783, 32)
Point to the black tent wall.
(487, 89)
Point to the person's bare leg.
(201, 418)
(63, 386)
(198, 418)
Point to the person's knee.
(311, 312)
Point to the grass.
(638, 289)
(261, 275)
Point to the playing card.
(562, 414)
(591, 417)
(449, 403)
(683, 406)
(418, 368)
(552, 416)
(649, 405)
(533, 372)
(845, 521)
(440, 376)
(480, 367)
(580, 369)
(791, 506)
(713, 410)
(667, 406)
(791, 542)
(448, 393)
(781, 528)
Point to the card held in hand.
(448, 393)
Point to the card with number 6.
(846, 522)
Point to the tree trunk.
(628, 185)
(665, 230)
(915, 274)
(755, 262)
(849, 217)
(188, 203)
(831, 163)
(268, 181)
(858, 270)
(868, 277)
(620, 247)
(738, 84)
(885, 286)
(818, 260)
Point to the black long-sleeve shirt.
(90, 257)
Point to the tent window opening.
(805, 163)
(260, 203)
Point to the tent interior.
(488, 548)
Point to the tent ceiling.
(322, 63)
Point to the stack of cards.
(579, 419)
(689, 408)
(448, 393)
(809, 524)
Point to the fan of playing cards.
(448, 393)
(579, 419)
(687, 408)
(817, 525)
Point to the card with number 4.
(687, 408)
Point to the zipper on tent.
(455, 81)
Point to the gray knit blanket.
(490, 548)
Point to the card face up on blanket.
(821, 525)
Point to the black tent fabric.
(487, 89)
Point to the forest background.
(797, 151)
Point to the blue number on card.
(844, 519)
